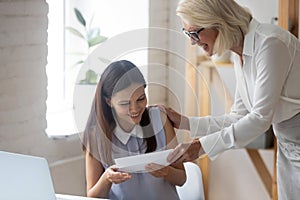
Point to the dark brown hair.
(118, 76)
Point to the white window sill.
(61, 123)
(65, 118)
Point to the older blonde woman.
(267, 68)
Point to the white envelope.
(137, 163)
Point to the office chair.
(193, 187)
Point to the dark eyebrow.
(143, 95)
(128, 101)
(123, 101)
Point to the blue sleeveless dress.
(142, 186)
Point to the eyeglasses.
(193, 34)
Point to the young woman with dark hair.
(121, 125)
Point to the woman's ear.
(108, 101)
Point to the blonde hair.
(230, 19)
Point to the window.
(66, 49)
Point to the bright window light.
(64, 50)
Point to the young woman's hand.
(157, 170)
(115, 176)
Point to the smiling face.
(129, 105)
(207, 38)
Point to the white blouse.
(267, 91)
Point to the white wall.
(262, 10)
(23, 90)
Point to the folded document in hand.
(137, 163)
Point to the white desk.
(73, 197)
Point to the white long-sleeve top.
(268, 91)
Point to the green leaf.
(91, 77)
(96, 40)
(75, 32)
(104, 60)
(79, 16)
(83, 81)
(93, 32)
(78, 62)
(91, 21)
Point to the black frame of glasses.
(193, 34)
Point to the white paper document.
(137, 163)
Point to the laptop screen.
(24, 177)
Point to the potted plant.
(91, 36)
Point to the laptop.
(25, 177)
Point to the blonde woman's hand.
(157, 170)
(186, 152)
(115, 176)
(178, 121)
